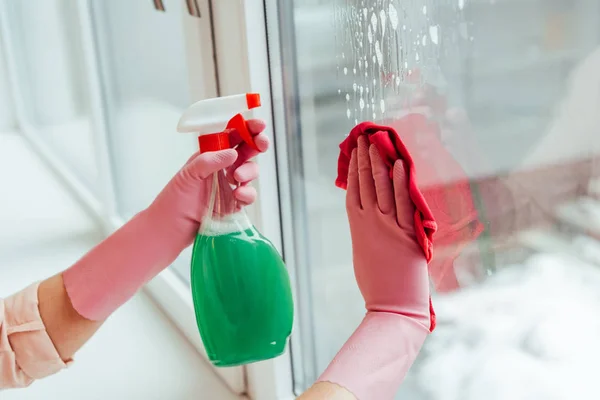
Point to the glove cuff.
(374, 361)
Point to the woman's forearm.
(39, 333)
(68, 330)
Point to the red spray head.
(209, 116)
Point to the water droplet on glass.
(370, 34)
(433, 33)
(393, 15)
(403, 27)
(359, 63)
(367, 90)
(339, 91)
(374, 23)
(361, 103)
(347, 97)
(424, 10)
(354, 86)
(461, 4)
(417, 56)
(343, 55)
(382, 105)
(397, 81)
(405, 64)
(365, 12)
(374, 59)
(424, 40)
(382, 17)
(361, 90)
(366, 64)
(348, 113)
(355, 122)
(345, 71)
(374, 116)
(378, 53)
(374, 81)
(354, 71)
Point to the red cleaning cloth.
(443, 202)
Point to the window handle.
(193, 8)
(159, 5)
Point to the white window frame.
(243, 66)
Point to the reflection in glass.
(507, 163)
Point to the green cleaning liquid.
(241, 291)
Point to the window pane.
(46, 41)
(507, 163)
(146, 82)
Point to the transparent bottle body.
(240, 285)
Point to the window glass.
(507, 161)
(50, 75)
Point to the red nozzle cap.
(252, 100)
(239, 124)
(214, 142)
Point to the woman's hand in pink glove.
(391, 272)
(183, 202)
(390, 268)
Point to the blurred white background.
(90, 94)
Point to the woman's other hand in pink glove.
(391, 272)
(390, 268)
(113, 271)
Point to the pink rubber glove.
(112, 272)
(392, 275)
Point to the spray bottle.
(240, 286)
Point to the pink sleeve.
(26, 351)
